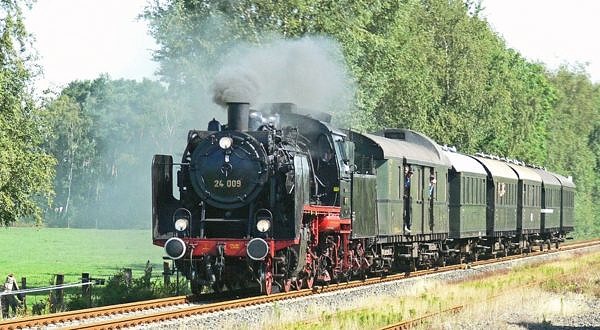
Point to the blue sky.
(81, 39)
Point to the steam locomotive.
(281, 198)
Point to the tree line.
(81, 158)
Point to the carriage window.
(471, 193)
(462, 190)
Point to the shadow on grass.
(550, 326)
(142, 266)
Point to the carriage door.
(425, 178)
(416, 193)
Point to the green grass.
(576, 274)
(39, 253)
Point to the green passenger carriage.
(467, 187)
(567, 210)
(550, 212)
(501, 198)
(529, 200)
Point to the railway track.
(424, 319)
(147, 312)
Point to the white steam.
(309, 72)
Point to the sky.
(81, 39)
(554, 32)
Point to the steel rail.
(78, 315)
(119, 319)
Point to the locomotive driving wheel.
(297, 284)
(309, 281)
(287, 262)
(287, 285)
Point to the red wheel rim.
(287, 285)
(309, 282)
(268, 284)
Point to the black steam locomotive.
(281, 198)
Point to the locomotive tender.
(283, 199)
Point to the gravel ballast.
(544, 311)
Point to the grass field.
(39, 253)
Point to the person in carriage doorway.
(432, 182)
(408, 172)
(9, 300)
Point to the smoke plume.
(309, 72)
(235, 84)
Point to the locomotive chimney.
(237, 116)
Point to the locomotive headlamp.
(263, 225)
(225, 142)
(181, 224)
(175, 248)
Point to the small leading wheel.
(267, 284)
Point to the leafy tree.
(26, 171)
(573, 142)
(71, 140)
(427, 65)
(431, 65)
(104, 135)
